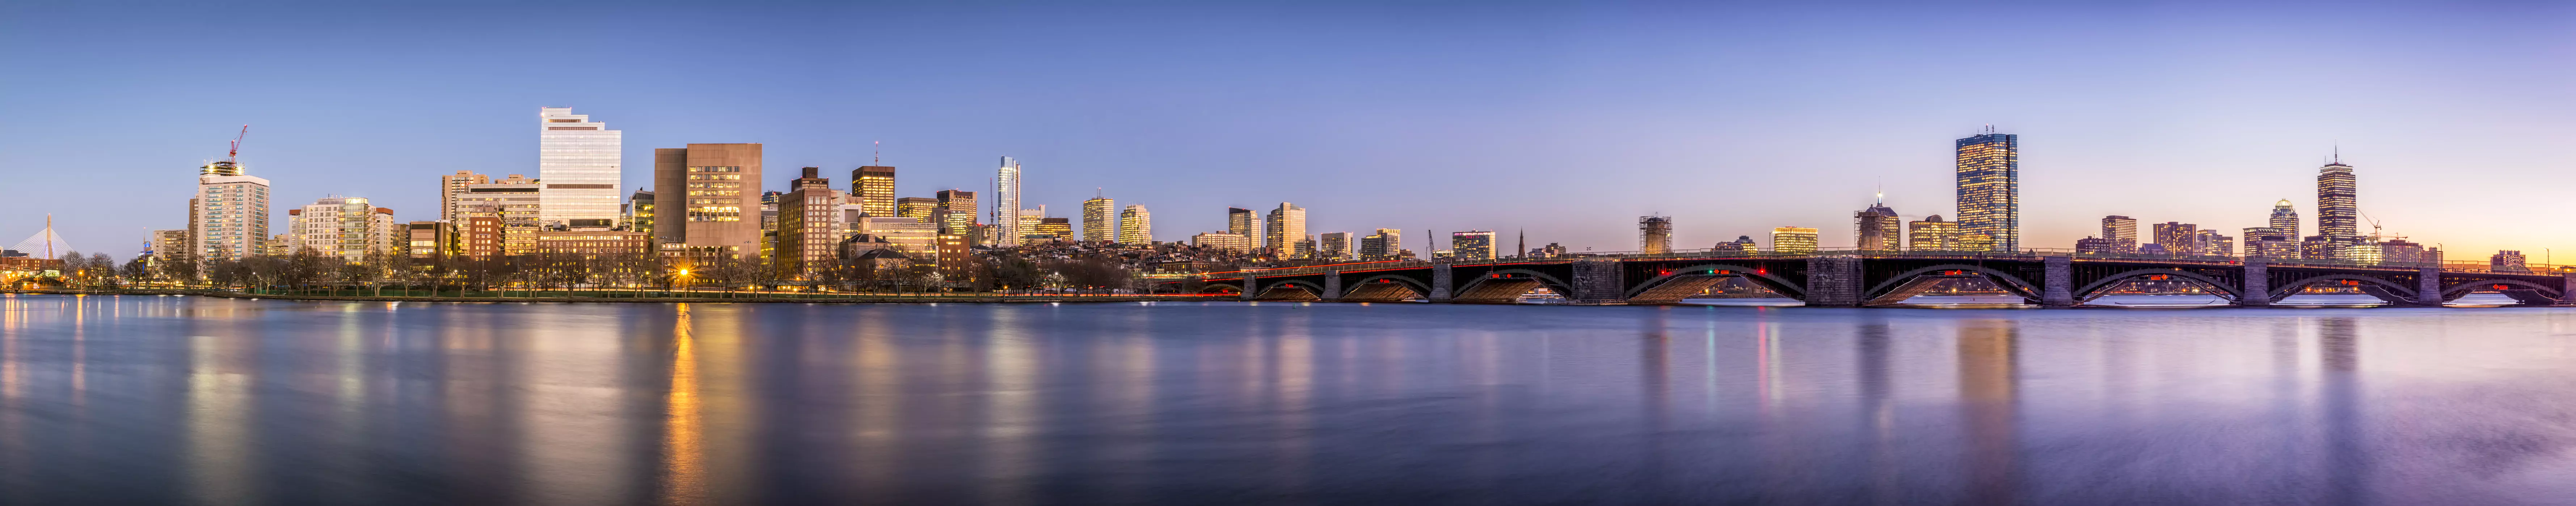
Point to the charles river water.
(196, 400)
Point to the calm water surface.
(190, 400)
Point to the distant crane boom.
(236, 151)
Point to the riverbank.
(641, 297)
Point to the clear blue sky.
(1566, 119)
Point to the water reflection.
(214, 401)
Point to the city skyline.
(2450, 154)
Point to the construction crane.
(236, 151)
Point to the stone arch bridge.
(1848, 279)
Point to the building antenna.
(1882, 191)
(2338, 153)
(878, 156)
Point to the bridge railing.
(2025, 254)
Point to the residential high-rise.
(960, 205)
(1878, 228)
(1384, 245)
(1135, 225)
(1241, 221)
(2209, 242)
(809, 227)
(452, 187)
(2285, 219)
(229, 218)
(718, 214)
(2271, 242)
(579, 160)
(1100, 220)
(1006, 203)
(1472, 245)
(873, 187)
(346, 228)
(1655, 234)
(1989, 173)
(2120, 234)
(1793, 240)
(2178, 238)
(918, 208)
(1286, 226)
(1333, 246)
(1932, 234)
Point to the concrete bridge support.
(2428, 287)
(2058, 274)
(2257, 289)
(2567, 290)
(1251, 286)
(1440, 282)
(1595, 282)
(1833, 281)
(1332, 285)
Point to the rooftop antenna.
(2338, 153)
(877, 157)
(1882, 192)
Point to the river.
(196, 400)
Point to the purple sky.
(1568, 120)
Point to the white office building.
(578, 161)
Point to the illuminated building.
(918, 208)
(809, 227)
(229, 218)
(2404, 251)
(427, 241)
(1382, 245)
(1006, 204)
(1793, 240)
(1989, 173)
(2120, 234)
(1054, 229)
(1654, 234)
(579, 160)
(1100, 220)
(1744, 243)
(1472, 246)
(515, 201)
(592, 243)
(1878, 228)
(1333, 246)
(2285, 219)
(913, 237)
(2271, 242)
(1135, 225)
(960, 205)
(2508, 261)
(1285, 230)
(1227, 241)
(639, 212)
(872, 188)
(1240, 221)
(1976, 242)
(1932, 234)
(2208, 242)
(451, 191)
(721, 182)
(2178, 238)
(347, 228)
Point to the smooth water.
(191, 400)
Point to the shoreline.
(857, 299)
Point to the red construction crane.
(245, 133)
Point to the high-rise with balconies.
(578, 160)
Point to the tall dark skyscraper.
(2338, 205)
(1990, 188)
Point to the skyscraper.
(1333, 246)
(961, 209)
(1100, 220)
(1135, 225)
(809, 227)
(873, 187)
(1006, 203)
(1878, 228)
(1386, 244)
(2120, 233)
(1472, 245)
(2339, 211)
(1932, 234)
(451, 186)
(1285, 230)
(719, 214)
(1240, 221)
(229, 219)
(1989, 175)
(1793, 240)
(2178, 238)
(578, 160)
(2285, 219)
(1655, 234)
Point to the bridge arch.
(1765, 278)
(1233, 287)
(2009, 282)
(1308, 285)
(2090, 291)
(1549, 281)
(2455, 290)
(2293, 287)
(1419, 288)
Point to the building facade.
(1932, 234)
(2284, 219)
(516, 202)
(1283, 231)
(872, 187)
(1386, 244)
(452, 187)
(1100, 220)
(809, 227)
(960, 211)
(229, 218)
(1333, 246)
(1878, 229)
(1135, 225)
(919, 208)
(1006, 204)
(716, 192)
(1989, 175)
(579, 160)
(1225, 241)
(1655, 234)
(1241, 221)
(2120, 234)
(1793, 240)
(1472, 246)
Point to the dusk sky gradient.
(1566, 119)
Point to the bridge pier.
(1440, 291)
(1595, 282)
(2057, 274)
(1251, 286)
(1332, 285)
(2428, 287)
(1833, 281)
(2567, 288)
(2256, 289)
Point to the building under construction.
(1655, 234)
